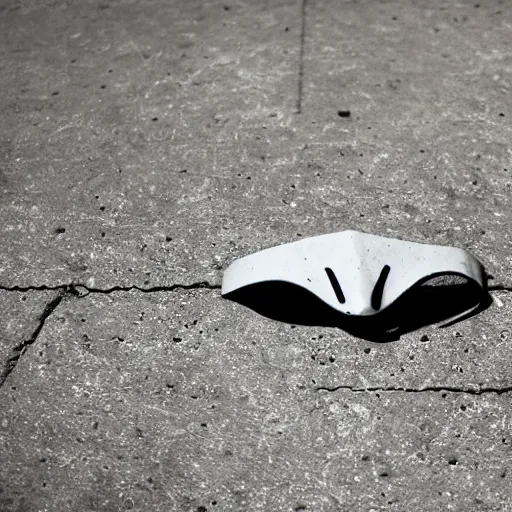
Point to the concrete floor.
(146, 145)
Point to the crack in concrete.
(76, 288)
(302, 43)
(19, 350)
(499, 288)
(434, 389)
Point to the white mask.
(354, 273)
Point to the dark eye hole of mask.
(335, 285)
(376, 298)
(378, 290)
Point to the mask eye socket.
(378, 289)
(335, 285)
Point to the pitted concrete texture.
(150, 145)
(146, 145)
(428, 140)
(112, 125)
(183, 401)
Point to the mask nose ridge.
(359, 304)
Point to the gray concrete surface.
(21, 314)
(145, 145)
(177, 401)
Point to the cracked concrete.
(136, 398)
(12, 351)
(437, 389)
(18, 351)
(80, 289)
(20, 315)
(143, 147)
